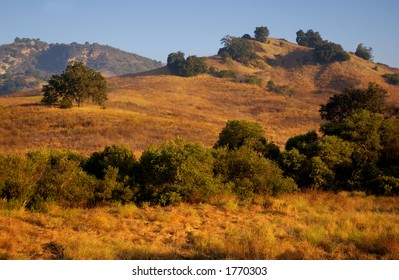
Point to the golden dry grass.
(144, 110)
(153, 107)
(310, 225)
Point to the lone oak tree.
(77, 83)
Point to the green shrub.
(253, 80)
(18, 178)
(237, 133)
(177, 171)
(251, 173)
(61, 180)
(280, 89)
(225, 74)
(110, 189)
(45, 176)
(392, 79)
(304, 143)
(119, 157)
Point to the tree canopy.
(310, 39)
(238, 49)
(261, 33)
(364, 52)
(77, 83)
(351, 100)
(237, 133)
(324, 50)
(330, 52)
(189, 67)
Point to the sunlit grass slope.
(152, 107)
(310, 225)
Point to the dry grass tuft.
(311, 225)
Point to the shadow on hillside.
(293, 59)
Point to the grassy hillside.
(144, 110)
(309, 225)
(153, 107)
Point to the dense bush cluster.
(239, 49)
(176, 171)
(192, 66)
(324, 50)
(357, 149)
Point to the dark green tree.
(329, 52)
(351, 100)
(309, 39)
(175, 62)
(77, 83)
(237, 133)
(364, 52)
(261, 34)
(306, 143)
(250, 173)
(115, 156)
(238, 49)
(192, 66)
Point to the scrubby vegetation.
(324, 50)
(177, 171)
(392, 79)
(357, 151)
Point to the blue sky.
(155, 28)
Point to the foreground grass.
(310, 225)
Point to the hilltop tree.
(261, 34)
(238, 49)
(363, 52)
(175, 62)
(189, 67)
(310, 39)
(77, 83)
(324, 50)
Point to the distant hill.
(28, 62)
(286, 68)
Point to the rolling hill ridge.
(28, 62)
(154, 106)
